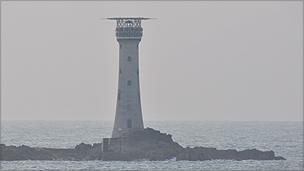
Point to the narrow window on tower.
(119, 70)
(129, 123)
(129, 58)
(129, 82)
(118, 96)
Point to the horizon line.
(155, 120)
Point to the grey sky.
(198, 60)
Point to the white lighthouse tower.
(128, 115)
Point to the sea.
(284, 138)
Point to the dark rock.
(201, 153)
(95, 152)
(24, 153)
(279, 158)
(147, 144)
(83, 147)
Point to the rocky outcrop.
(80, 152)
(202, 153)
(148, 144)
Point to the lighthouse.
(128, 117)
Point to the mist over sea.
(284, 138)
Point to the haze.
(235, 61)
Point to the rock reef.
(148, 144)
